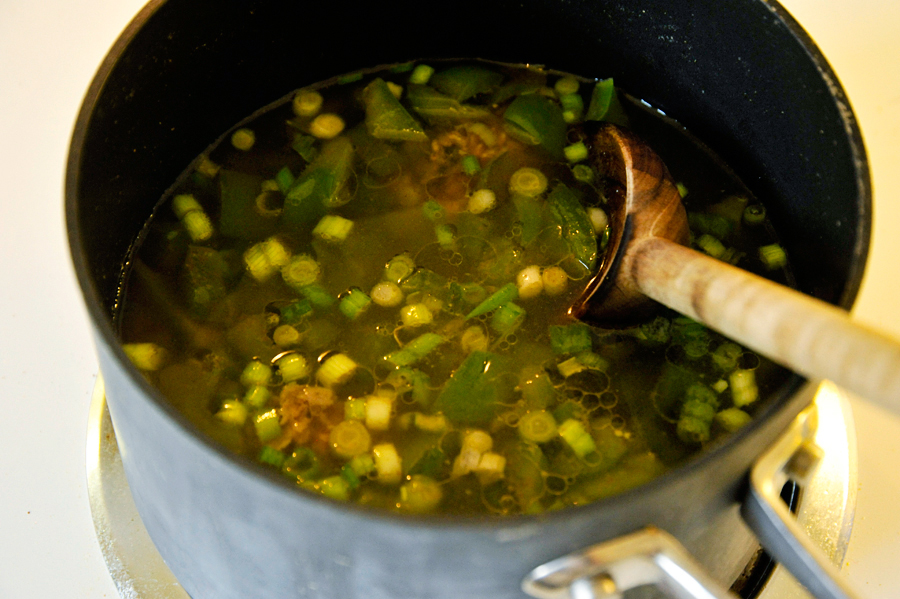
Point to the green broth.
(381, 316)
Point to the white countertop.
(49, 50)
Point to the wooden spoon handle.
(812, 337)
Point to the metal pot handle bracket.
(653, 557)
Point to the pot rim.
(777, 403)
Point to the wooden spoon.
(646, 260)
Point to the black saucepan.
(741, 74)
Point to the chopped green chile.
(353, 314)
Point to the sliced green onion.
(353, 303)
(527, 181)
(773, 256)
(529, 282)
(273, 457)
(387, 294)
(333, 228)
(732, 419)
(256, 373)
(326, 126)
(349, 438)
(446, 235)
(743, 387)
(378, 412)
(573, 107)
(481, 201)
(243, 139)
(302, 464)
(233, 413)
(336, 369)
(490, 468)
(399, 267)
(576, 436)
(415, 350)
(538, 426)
(682, 190)
(335, 487)
(576, 152)
(257, 396)
(307, 103)
(693, 430)
(421, 494)
(355, 409)
(754, 214)
(421, 74)
(192, 216)
(583, 173)
(146, 356)
(292, 367)
(301, 270)
(416, 315)
(267, 427)
(711, 245)
(555, 280)
(387, 464)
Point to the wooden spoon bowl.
(647, 262)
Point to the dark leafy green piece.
(386, 118)
(538, 121)
(570, 215)
(472, 394)
(465, 81)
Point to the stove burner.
(824, 508)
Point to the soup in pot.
(365, 287)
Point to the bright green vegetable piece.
(505, 294)
(466, 81)
(273, 457)
(319, 186)
(435, 106)
(537, 120)
(571, 216)
(267, 427)
(605, 105)
(415, 350)
(471, 395)
(570, 338)
(386, 118)
(507, 318)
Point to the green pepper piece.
(538, 121)
(605, 105)
(319, 186)
(434, 106)
(576, 227)
(386, 118)
(474, 390)
(465, 81)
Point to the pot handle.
(606, 570)
(793, 457)
(653, 557)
